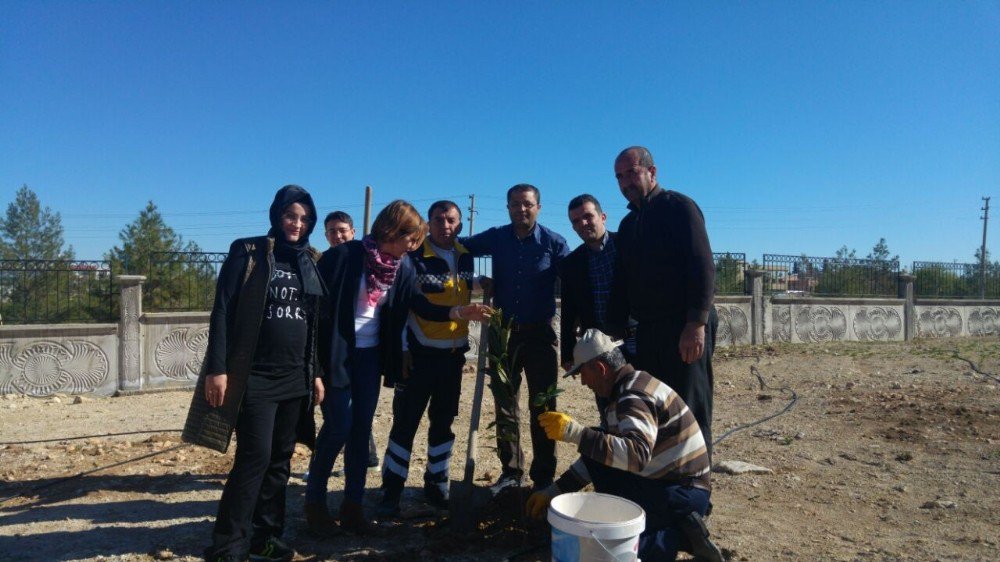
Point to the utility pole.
(472, 212)
(368, 209)
(982, 250)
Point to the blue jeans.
(347, 424)
(665, 506)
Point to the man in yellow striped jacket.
(432, 366)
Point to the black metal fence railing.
(804, 275)
(955, 280)
(181, 281)
(54, 291)
(729, 273)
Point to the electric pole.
(472, 212)
(982, 250)
(368, 209)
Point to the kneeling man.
(649, 450)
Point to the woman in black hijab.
(258, 377)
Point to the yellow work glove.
(560, 427)
(538, 502)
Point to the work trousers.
(534, 352)
(435, 378)
(666, 505)
(347, 425)
(658, 354)
(252, 507)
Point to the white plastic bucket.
(593, 527)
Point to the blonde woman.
(372, 287)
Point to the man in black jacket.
(586, 276)
(665, 280)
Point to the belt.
(528, 326)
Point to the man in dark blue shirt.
(526, 258)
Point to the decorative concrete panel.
(130, 332)
(781, 322)
(955, 319)
(814, 320)
(66, 358)
(173, 348)
(734, 324)
(877, 323)
(983, 321)
(939, 321)
(818, 323)
(475, 329)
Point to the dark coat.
(340, 268)
(576, 312)
(240, 298)
(664, 270)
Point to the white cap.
(592, 344)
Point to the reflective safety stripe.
(443, 448)
(440, 466)
(389, 464)
(400, 452)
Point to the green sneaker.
(272, 551)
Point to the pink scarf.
(380, 270)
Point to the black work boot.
(319, 521)
(352, 518)
(389, 506)
(436, 494)
(702, 547)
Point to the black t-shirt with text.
(279, 361)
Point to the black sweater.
(664, 270)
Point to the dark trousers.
(657, 353)
(665, 504)
(534, 351)
(436, 377)
(347, 425)
(252, 508)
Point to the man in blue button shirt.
(526, 258)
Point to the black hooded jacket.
(240, 298)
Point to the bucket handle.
(611, 554)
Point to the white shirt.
(366, 316)
(447, 255)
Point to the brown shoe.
(319, 520)
(352, 519)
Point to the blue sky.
(798, 127)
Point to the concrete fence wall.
(164, 350)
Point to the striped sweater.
(650, 432)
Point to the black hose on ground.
(57, 439)
(763, 386)
(976, 368)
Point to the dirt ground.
(890, 452)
